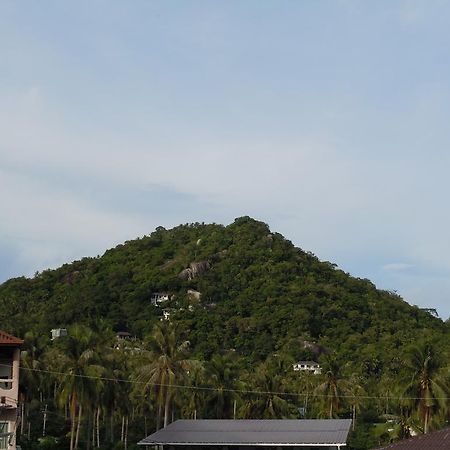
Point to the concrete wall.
(9, 391)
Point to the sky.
(328, 120)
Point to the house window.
(5, 374)
(3, 435)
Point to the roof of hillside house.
(9, 340)
(437, 440)
(252, 432)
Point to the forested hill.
(238, 287)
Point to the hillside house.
(9, 389)
(123, 335)
(58, 332)
(159, 297)
(307, 366)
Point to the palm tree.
(305, 384)
(426, 382)
(222, 375)
(266, 401)
(356, 393)
(77, 356)
(192, 400)
(332, 390)
(165, 364)
(33, 383)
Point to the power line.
(212, 389)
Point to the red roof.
(438, 440)
(9, 340)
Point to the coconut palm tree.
(165, 364)
(192, 400)
(265, 399)
(222, 375)
(78, 356)
(331, 392)
(426, 382)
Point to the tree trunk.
(89, 431)
(111, 437)
(125, 440)
(44, 423)
(425, 425)
(22, 419)
(353, 417)
(72, 413)
(123, 429)
(167, 407)
(78, 426)
(158, 417)
(98, 426)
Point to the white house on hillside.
(309, 366)
(159, 297)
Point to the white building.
(58, 332)
(307, 366)
(159, 297)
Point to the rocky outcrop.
(194, 270)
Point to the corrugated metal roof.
(438, 440)
(252, 432)
(8, 339)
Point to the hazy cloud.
(328, 123)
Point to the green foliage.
(262, 305)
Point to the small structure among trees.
(308, 366)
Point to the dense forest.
(244, 305)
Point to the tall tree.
(78, 356)
(222, 375)
(166, 364)
(331, 392)
(426, 382)
(265, 399)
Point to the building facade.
(9, 389)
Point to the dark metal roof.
(438, 440)
(252, 432)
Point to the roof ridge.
(9, 339)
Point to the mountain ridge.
(258, 294)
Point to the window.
(5, 373)
(3, 435)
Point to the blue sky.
(326, 119)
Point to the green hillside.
(244, 298)
(258, 295)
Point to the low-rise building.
(159, 297)
(9, 389)
(58, 332)
(307, 366)
(328, 434)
